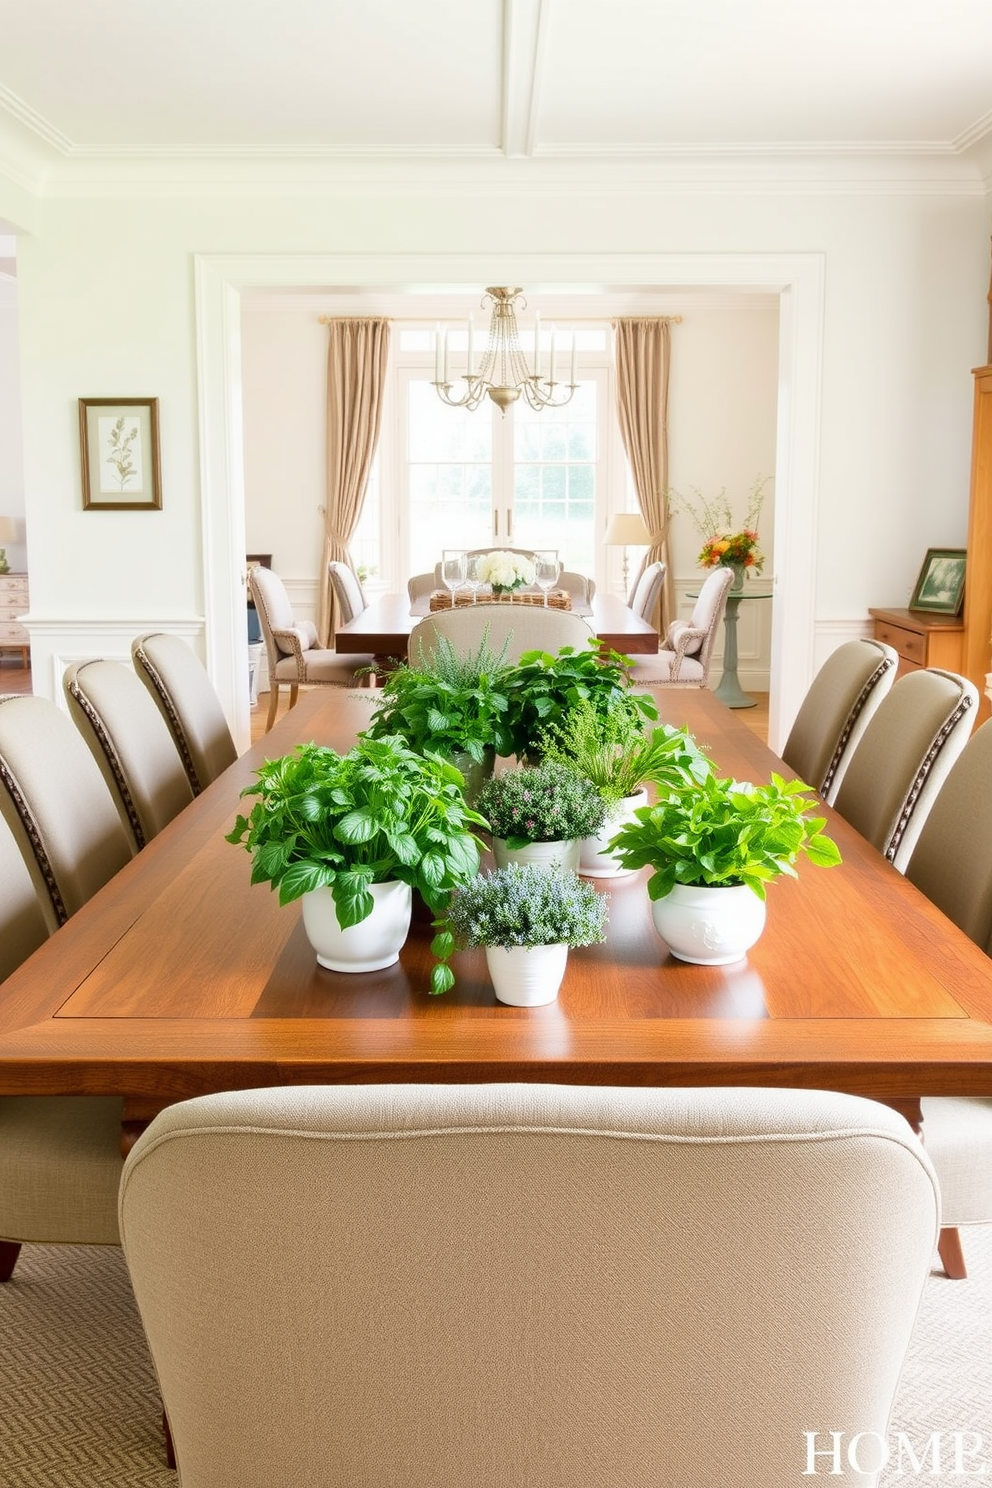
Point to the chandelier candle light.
(503, 372)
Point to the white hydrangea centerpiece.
(505, 571)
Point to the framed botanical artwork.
(119, 452)
(940, 586)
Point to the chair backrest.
(520, 627)
(185, 697)
(132, 744)
(275, 612)
(835, 712)
(678, 1284)
(57, 806)
(22, 921)
(903, 758)
(419, 586)
(348, 591)
(703, 623)
(952, 859)
(644, 595)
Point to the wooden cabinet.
(921, 640)
(14, 602)
(978, 574)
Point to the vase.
(594, 859)
(737, 582)
(526, 976)
(476, 772)
(546, 854)
(370, 945)
(709, 926)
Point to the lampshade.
(627, 529)
(8, 530)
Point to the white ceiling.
(492, 80)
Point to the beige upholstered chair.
(291, 646)
(421, 587)
(185, 696)
(132, 744)
(903, 758)
(952, 864)
(836, 710)
(684, 655)
(644, 595)
(60, 1159)
(347, 590)
(518, 627)
(57, 806)
(508, 1284)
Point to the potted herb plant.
(543, 688)
(539, 814)
(351, 835)
(713, 845)
(620, 756)
(526, 917)
(450, 704)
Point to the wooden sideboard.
(977, 660)
(14, 602)
(921, 640)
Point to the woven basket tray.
(558, 599)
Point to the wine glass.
(472, 577)
(453, 573)
(546, 571)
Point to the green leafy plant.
(524, 905)
(617, 753)
(379, 812)
(446, 702)
(721, 832)
(543, 689)
(549, 803)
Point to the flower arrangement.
(523, 905)
(548, 803)
(504, 571)
(723, 541)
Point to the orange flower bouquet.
(723, 542)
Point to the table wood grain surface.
(180, 978)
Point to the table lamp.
(8, 533)
(627, 530)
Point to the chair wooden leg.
(294, 693)
(9, 1251)
(273, 703)
(951, 1252)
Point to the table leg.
(729, 689)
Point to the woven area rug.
(79, 1407)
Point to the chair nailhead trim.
(34, 836)
(884, 665)
(113, 760)
(178, 732)
(912, 797)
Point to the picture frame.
(120, 455)
(940, 587)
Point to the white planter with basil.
(370, 945)
(709, 926)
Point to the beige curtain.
(356, 373)
(643, 355)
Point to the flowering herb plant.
(549, 803)
(504, 571)
(724, 542)
(524, 905)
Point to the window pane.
(555, 454)
(450, 475)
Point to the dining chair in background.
(903, 758)
(683, 657)
(184, 695)
(517, 627)
(629, 1290)
(291, 646)
(348, 591)
(132, 744)
(644, 595)
(60, 1156)
(835, 712)
(952, 864)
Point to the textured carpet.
(79, 1407)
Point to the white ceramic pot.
(526, 976)
(594, 860)
(368, 946)
(545, 854)
(709, 926)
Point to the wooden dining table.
(383, 628)
(179, 978)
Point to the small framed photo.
(940, 587)
(119, 452)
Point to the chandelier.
(503, 372)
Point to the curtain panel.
(357, 353)
(643, 357)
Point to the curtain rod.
(571, 319)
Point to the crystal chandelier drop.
(503, 372)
